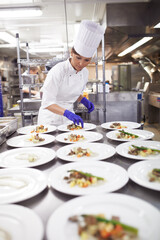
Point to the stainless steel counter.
(47, 201)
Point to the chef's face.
(78, 62)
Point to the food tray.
(3, 134)
(11, 123)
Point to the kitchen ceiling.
(48, 31)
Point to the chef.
(66, 81)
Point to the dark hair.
(74, 51)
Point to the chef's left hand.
(88, 104)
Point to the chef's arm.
(56, 109)
(70, 115)
(80, 98)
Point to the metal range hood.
(126, 24)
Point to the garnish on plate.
(126, 135)
(97, 227)
(80, 152)
(40, 129)
(36, 138)
(73, 127)
(31, 157)
(117, 125)
(74, 138)
(154, 175)
(82, 179)
(142, 151)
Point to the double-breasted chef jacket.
(63, 86)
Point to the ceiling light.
(7, 37)
(134, 46)
(20, 12)
(157, 26)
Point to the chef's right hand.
(73, 117)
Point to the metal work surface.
(46, 202)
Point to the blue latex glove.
(89, 105)
(73, 117)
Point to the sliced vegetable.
(86, 174)
(130, 134)
(124, 226)
(145, 148)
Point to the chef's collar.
(71, 68)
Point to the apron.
(46, 117)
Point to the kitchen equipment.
(3, 134)
(11, 123)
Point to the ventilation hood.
(127, 23)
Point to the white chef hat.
(88, 38)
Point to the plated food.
(30, 140)
(146, 174)
(98, 227)
(28, 157)
(140, 150)
(129, 135)
(18, 184)
(17, 221)
(72, 127)
(35, 138)
(142, 217)
(154, 175)
(92, 151)
(79, 136)
(81, 178)
(66, 128)
(120, 125)
(117, 125)
(36, 129)
(74, 138)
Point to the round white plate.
(123, 148)
(87, 126)
(101, 151)
(131, 210)
(22, 141)
(18, 222)
(142, 135)
(138, 172)
(9, 158)
(29, 129)
(115, 177)
(18, 184)
(127, 124)
(88, 136)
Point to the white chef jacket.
(63, 85)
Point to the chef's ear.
(71, 53)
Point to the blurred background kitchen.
(124, 76)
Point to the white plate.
(127, 124)
(29, 129)
(18, 184)
(138, 172)
(9, 158)
(142, 135)
(87, 126)
(115, 177)
(22, 141)
(131, 210)
(88, 136)
(19, 223)
(123, 148)
(101, 151)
